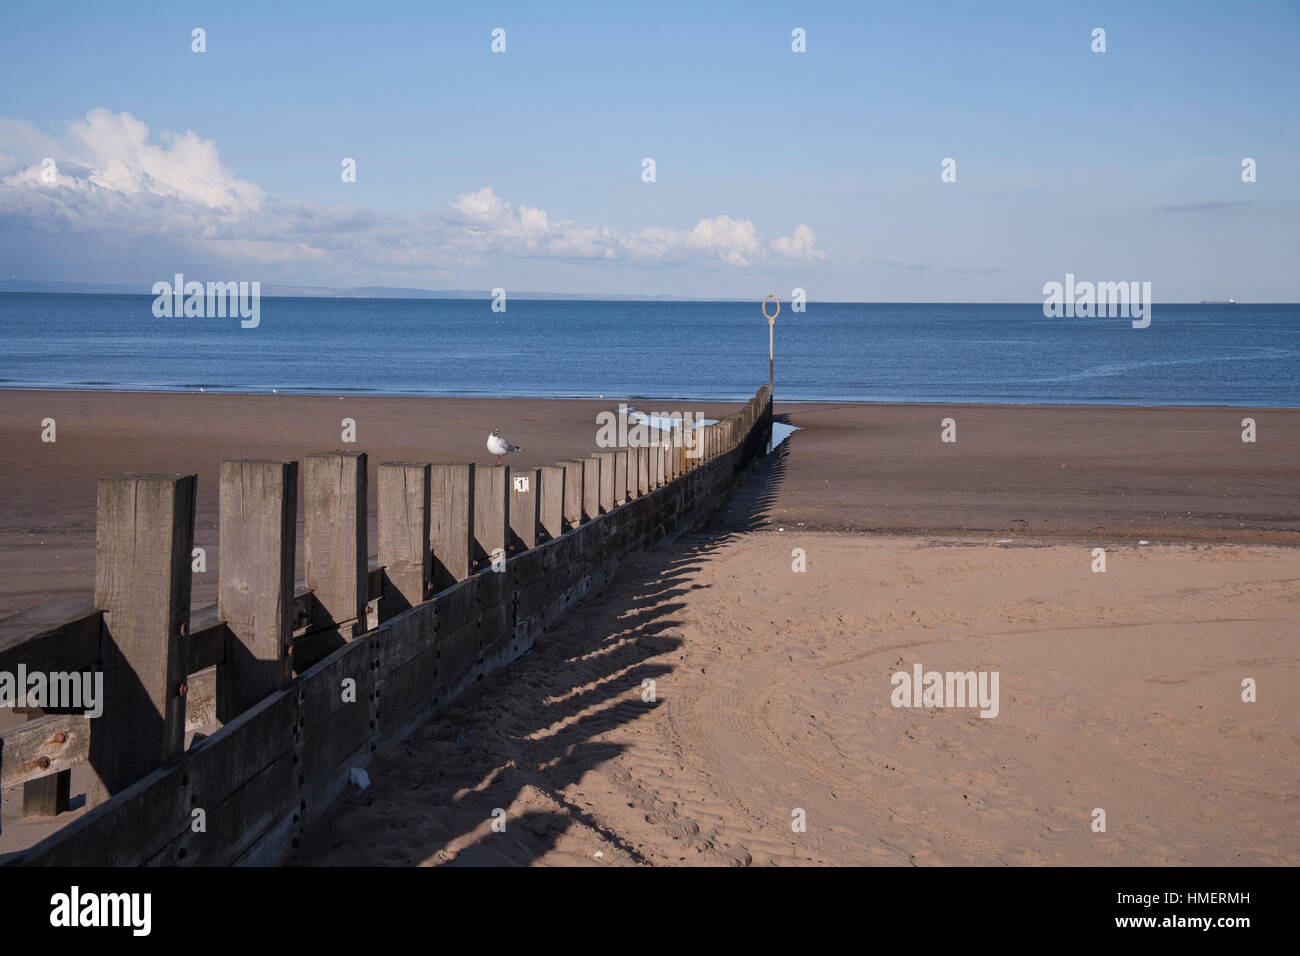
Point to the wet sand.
(1127, 473)
(1122, 472)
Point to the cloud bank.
(110, 178)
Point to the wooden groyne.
(473, 563)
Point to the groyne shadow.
(519, 748)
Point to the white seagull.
(499, 446)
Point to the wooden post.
(335, 556)
(642, 470)
(525, 517)
(451, 520)
(551, 500)
(143, 543)
(590, 488)
(689, 437)
(405, 493)
(621, 495)
(607, 492)
(46, 796)
(656, 461)
(257, 535)
(574, 469)
(491, 512)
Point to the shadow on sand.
(525, 737)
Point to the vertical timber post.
(451, 519)
(257, 535)
(143, 543)
(405, 554)
(335, 558)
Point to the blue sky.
(773, 169)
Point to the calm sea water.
(1191, 354)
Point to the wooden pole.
(451, 520)
(621, 490)
(143, 543)
(590, 488)
(551, 502)
(607, 492)
(491, 511)
(257, 535)
(574, 473)
(405, 553)
(525, 514)
(335, 554)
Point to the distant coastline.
(278, 291)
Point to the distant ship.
(1218, 302)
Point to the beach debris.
(599, 854)
(359, 776)
(499, 446)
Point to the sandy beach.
(772, 688)
(1118, 691)
(1123, 473)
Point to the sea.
(1229, 354)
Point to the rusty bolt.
(61, 737)
(43, 762)
(182, 688)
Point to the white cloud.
(112, 179)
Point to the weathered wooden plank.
(574, 471)
(656, 460)
(525, 517)
(621, 496)
(457, 606)
(237, 822)
(491, 512)
(607, 493)
(205, 648)
(642, 470)
(335, 565)
(526, 568)
(144, 818)
(335, 710)
(72, 646)
(143, 543)
(43, 745)
(590, 488)
(404, 545)
(257, 526)
(451, 519)
(551, 504)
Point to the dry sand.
(1119, 690)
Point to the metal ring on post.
(771, 318)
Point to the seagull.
(499, 446)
